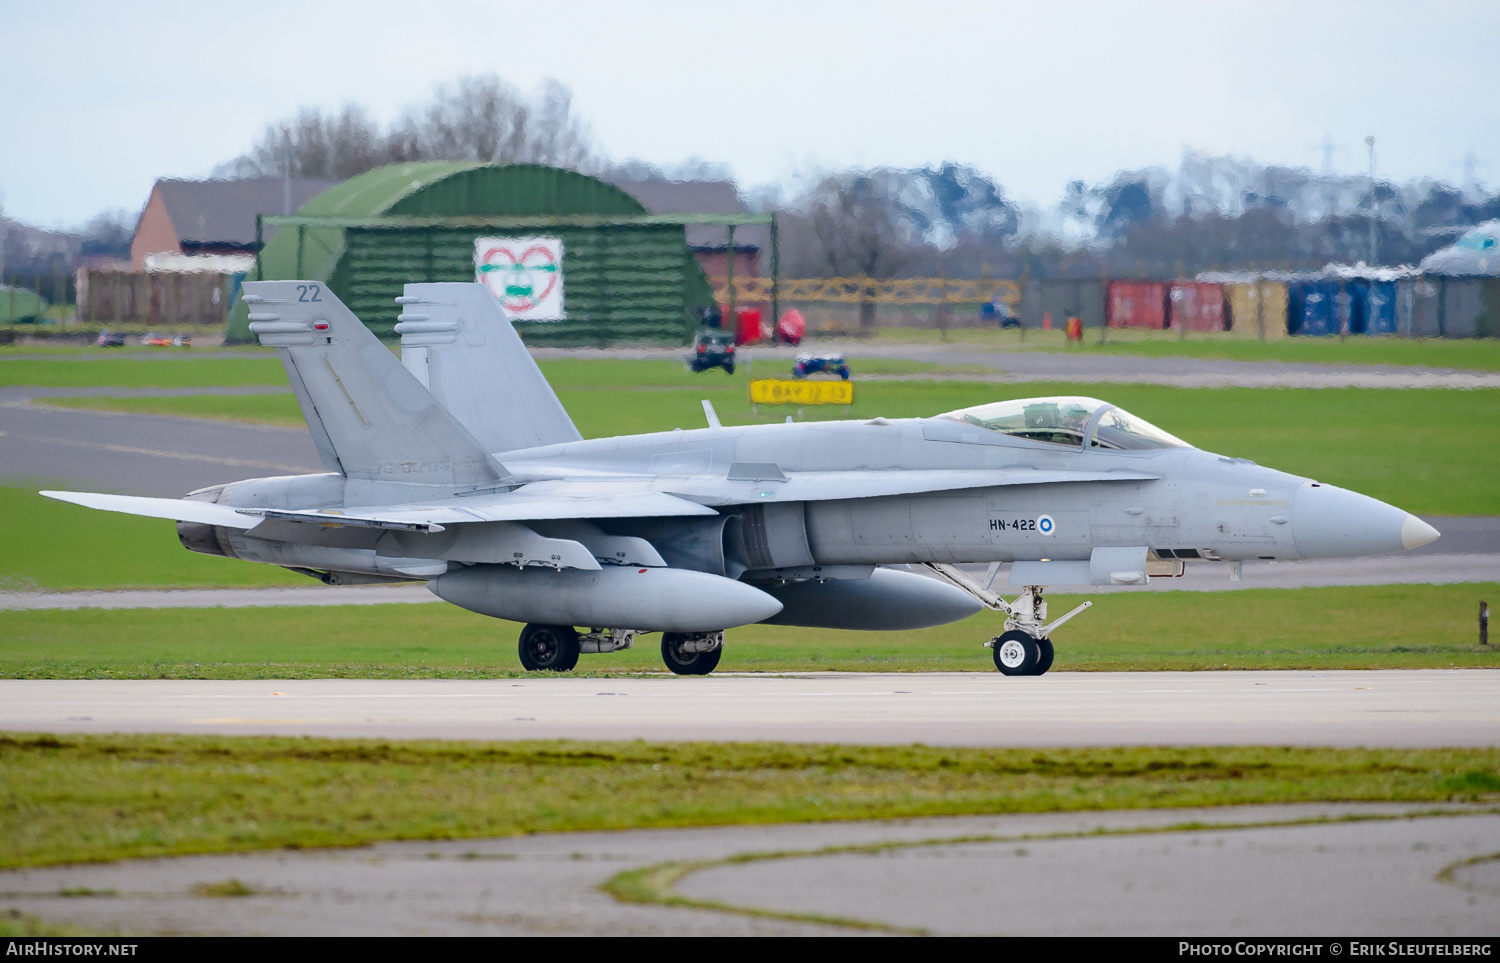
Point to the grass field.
(1396, 626)
(1432, 451)
(52, 545)
(74, 798)
(73, 349)
(114, 372)
(1475, 354)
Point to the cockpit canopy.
(1068, 421)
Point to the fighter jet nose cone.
(1415, 533)
(1331, 522)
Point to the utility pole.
(286, 171)
(1374, 207)
(4, 234)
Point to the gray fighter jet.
(456, 465)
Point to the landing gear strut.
(1026, 646)
(555, 648)
(692, 653)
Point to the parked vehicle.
(809, 364)
(999, 313)
(109, 339)
(154, 340)
(712, 349)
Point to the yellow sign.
(776, 392)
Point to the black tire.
(548, 648)
(1016, 653)
(687, 663)
(729, 368)
(1045, 662)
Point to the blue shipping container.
(1354, 302)
(1312, 308)
(1380, 309)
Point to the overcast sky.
(98, 100)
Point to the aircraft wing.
(536, 502)
(665, 496)
(772, 485)
(541, 501)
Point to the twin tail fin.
(370, 417)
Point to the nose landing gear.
(1026, 646)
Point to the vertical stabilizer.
(368, 415)
(456, 339)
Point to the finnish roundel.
(1045, 524)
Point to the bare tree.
(860, 230)
(477, 118)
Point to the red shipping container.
(1196, 306)
(747, 330)
(1136, 304)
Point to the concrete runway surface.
(1247, 870)
(1390, 707)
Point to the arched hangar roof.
(437, 189)
(432, 189)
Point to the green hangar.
(575, 260)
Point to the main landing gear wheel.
(1045, 662)
(1017, 653)
(683, 662)
(549, 648)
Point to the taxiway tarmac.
(1356, 869)
(1427, 707)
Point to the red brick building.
(213, 217)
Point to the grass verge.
(199, 372)
(77, 798)
(1362, 627)
(656, 883)
(14, 923)
(1474, 354)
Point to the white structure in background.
(199, 263)
(1477, 253)
(524, 273)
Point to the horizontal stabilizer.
(177, 509)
